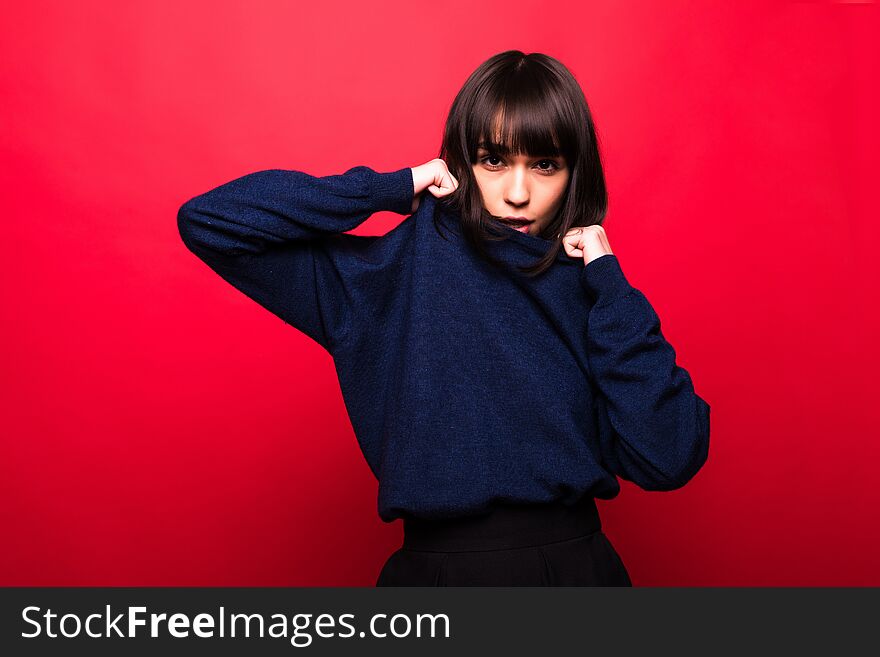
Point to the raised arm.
(275, 236)
(653, 427)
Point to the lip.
(523, 223)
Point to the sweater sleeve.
(275, 235)
(653, 427)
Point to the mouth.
(517, 223)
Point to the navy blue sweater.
(464, 383)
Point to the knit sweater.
(465, 384)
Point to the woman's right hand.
(433, 176)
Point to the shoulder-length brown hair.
(533, 105)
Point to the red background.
(159, 428)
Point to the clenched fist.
(589, 242)
(433, 176)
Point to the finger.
(572, 244)
(452, 179)
(572, 249)
(442, 190)
(442, 182)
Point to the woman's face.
(528, 186)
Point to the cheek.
(559, 191)
(487, 189)
(553, 194)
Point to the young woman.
(499, 370)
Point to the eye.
(553, 168)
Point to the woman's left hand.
(589, 242)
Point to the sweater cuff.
(394, 191)
(603, 279)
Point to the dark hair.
(539, 108)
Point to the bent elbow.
(187, 226)
(199, 234)
(689, 470)
(698, 453)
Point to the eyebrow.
(492, 147)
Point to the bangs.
(519, 119)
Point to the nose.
(516, 191)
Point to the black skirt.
(513, 545)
